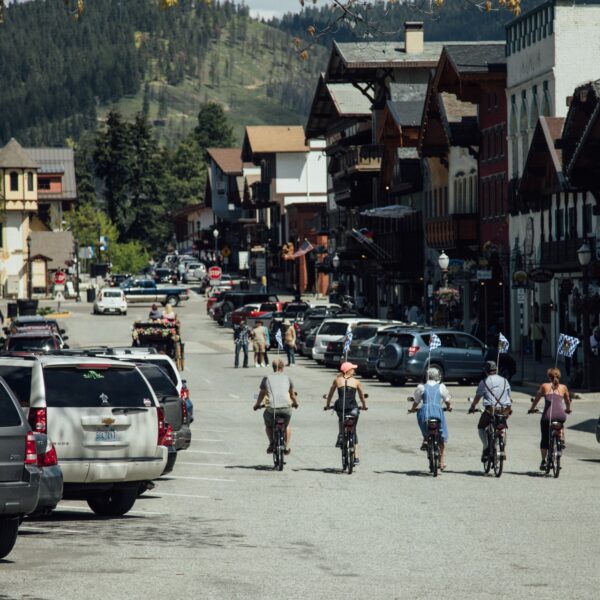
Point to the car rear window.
(90, 386)
(19, 381)
(166, 366)
(111, 294)
(31, 343)
(159, 380)
(403, 339)
(9, 413)
(333, 328)
(364, 332)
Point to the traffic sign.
(60, 278)
(226, 251)
(214, 273)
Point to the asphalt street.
(225, 525)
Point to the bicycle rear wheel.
(350, 454)
(344, 452)
(498, 455)
(555, 456)
(280, 451)
(487, 465)
(435, 458)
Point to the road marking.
(49, 529)
(202, 479)
(201, 464)
(181, 495)
(206, 452)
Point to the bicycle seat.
(557, 424)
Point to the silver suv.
(103, 418)
(19, 473)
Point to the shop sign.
(484, 274)
(541, 275)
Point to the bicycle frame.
(496, 438)
(433, 445)
(554, 448)
(279, 443)
(348, 441)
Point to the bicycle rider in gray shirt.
(495, 391)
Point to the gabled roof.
(55, 245)
(229, 160)
(270, 139)
(14, 156)
(56, 160)
(407, 113)
(478, 57)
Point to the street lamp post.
(443, 262)
(584, 255)
(216, 236)
(29, 274)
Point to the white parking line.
(203, 479)
(48, 529)
(181, 495)
(206, 452)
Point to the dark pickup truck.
(146, 290)
(19, 473)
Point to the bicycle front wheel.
(344, 452)
(556, 452)
(498, 455)
(487, 465)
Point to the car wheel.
(439, 369)
(9, 527)
(172, 300)
(114, 503)
(392, 355)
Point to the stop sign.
(60, 278)
(214, 273)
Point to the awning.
(395, 211)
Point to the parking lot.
(224, 525)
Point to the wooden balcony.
(359, 159)
(353, 191)
(452, 231)
(561, 255)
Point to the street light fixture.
(216, 236)
(444, 261)
(335, 261)
(584, 255)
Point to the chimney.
(413, 37)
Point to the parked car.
(36, 321)
(164, 275)
(104, 419)
(51, 480)
(233, 300)
(331, 330)
(242, 313)
(194, 271)
(146, 290)
(117, 278)
(264, 309)
(19, 472)
(366, 355)
(110, 301)
(461, 356)
(334, 353)
(34, 340)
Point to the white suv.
(103, 418)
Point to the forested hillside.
(58, 75)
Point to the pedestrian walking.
(537, 334)
(259, 343)
(289, 339)
(241, 336)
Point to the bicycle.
(496, 442)
(348, 445)
(432, 442)
(555, 446)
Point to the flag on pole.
(434, 342)
(503, 344)
(279, 340)
(348, 340)
(305, 248)
(567, 345)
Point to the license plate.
(106, 435)
(336, 359)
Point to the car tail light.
(160, 411)
(48, 459)
(38, 420)
(413, 350)
(31, 457)
(167, 439)
(184, 410)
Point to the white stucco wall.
(303, 173)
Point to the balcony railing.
(452, 230)
(359, 159)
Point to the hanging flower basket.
(448, 295)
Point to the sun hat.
(346, 366)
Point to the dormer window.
(14, 181)
(30, 182)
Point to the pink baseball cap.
(346, 366)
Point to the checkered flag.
(567, 345)
(503, 344)
(279, 340)
(434, 342)
(347, 340)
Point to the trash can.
(91, 294)
(27, 308)
(12, 310)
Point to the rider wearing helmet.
(495, 391)
(430, 396)
(347, 387)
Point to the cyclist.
(347, 387)
(278, 397)
(556, 397)
(431, 395)
(495, 391)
